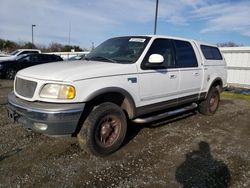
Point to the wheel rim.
(213, 102)
(109, 130)
(11, 73)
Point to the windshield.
(119, 50)
(15, 52)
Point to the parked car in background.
(16, 53)
(77, 57)
(9, 68)
(3, 54)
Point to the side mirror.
(156, 59)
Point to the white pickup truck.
(131, 78)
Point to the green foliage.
(68, 48)
(235, 95)
(7, 45)
(29, 45)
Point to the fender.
(218, 80)
(131, 110)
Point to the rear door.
(190, 71)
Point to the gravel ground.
(189, 150)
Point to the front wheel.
(104, 130)
(10, 73)
(210, 105)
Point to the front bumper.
(46, 118)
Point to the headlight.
(57, 91)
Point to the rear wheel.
(11, 73)
(211, 104)
(104, 130)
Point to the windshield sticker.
(137, 40)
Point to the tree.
(55, 47)
(28, 45)
(2, 44)
(7, 45)
(228, 44)
(68, 48)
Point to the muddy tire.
(104, 130)
(10, 73)
(211, 104)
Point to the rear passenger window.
(46, 58)
(55, 58)
(211, 53)
(34, 58)
(185, 56)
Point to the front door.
(159, 83)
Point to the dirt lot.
(190, 150)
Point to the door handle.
(196, 74)
(173, 76)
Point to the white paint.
(151, 85)
(238, 63)
(67, 55)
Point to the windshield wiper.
(103, 58)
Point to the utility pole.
(156, 14)
(69, 31)
(32, 26)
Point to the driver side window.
(163, 47)
(35, 58)
(25, 59)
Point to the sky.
(87, 21)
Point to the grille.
(25, 88)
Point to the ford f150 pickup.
(130, 78)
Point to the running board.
(165, 114)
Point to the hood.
(76, 70)
(4, 55)
(9, 61)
